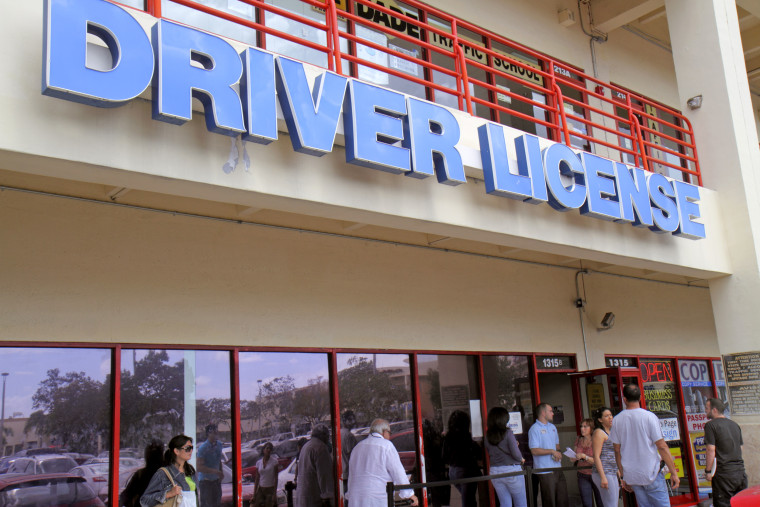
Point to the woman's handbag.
(175, 500)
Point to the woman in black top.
(154, 457)
(461, 453)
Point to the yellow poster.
(595, 395)
(677, 458)
(700, 456)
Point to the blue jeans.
(654, 494)
(510, 490)
(468, 491)
(588, 491)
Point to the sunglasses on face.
(187, 448)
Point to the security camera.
(607, 321)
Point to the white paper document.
(570, 453)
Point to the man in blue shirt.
(210, 469)
(543, 441)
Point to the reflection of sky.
(29, 366)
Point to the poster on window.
(697, 388)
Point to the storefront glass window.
(60, 400)
(170, 392)
(720, 384)
(393, 51)
(448, 388)
(507, 381)
(283, 395)
(696, 388)
(303, 31)
(372, 386)
(661, 395)
(138, 4)
(214, 24)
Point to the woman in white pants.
(605, 473)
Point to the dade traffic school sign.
(384, 129)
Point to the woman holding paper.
(584, 458)
(605, 469)
(505, 457)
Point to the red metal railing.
(559, 101)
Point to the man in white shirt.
(375, 462)
(639, 445)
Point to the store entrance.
(593, 389)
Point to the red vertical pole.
(687, 440)
(536, 392)
(237, 492)
(335, 412)
(113, 461)
(483, 423)
(153, 7)
(420, 448)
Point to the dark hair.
(632, 393)
(154, 455)
(211, 427)
(459, 422)
(268, 444)
(598, 413)
(497, 420)
(716, 404)
(590, 422)
(347, 416)
(177, 442)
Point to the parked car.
(124, 463)
(59, 490)
(247, 488)
(281, 437)
(96, 475)
(42, 464)
(403, 441)
(288, 474)
(5, 463)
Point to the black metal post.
(289, 487)
(389, 492)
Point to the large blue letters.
(66, 74)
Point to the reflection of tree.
(214, 411)
(510, 372)
(73, 410)
(152, 400)
(312, 402)
(277, 401)
(369, 392)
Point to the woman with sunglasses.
(177, 477)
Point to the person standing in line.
(461, 453)
(505, 457)
(210, 468)
(584, 458)
(374, 463)
(724, 443)
(639, 445)
(543, 441)
(605, 473)
(347, 443)
(176, 477)
(265, 488)
(314, 482)
(154, 458)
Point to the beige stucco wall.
(124, 147)
(76, 271)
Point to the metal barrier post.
(529, 478)
(389, 492)
(289, 487)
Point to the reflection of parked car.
(124, 463)
(6, 462)
(96, 475)
(42, 464)
(247, 488)
(403, 441)
(60, 490)
(281, 437)
(286, 475)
